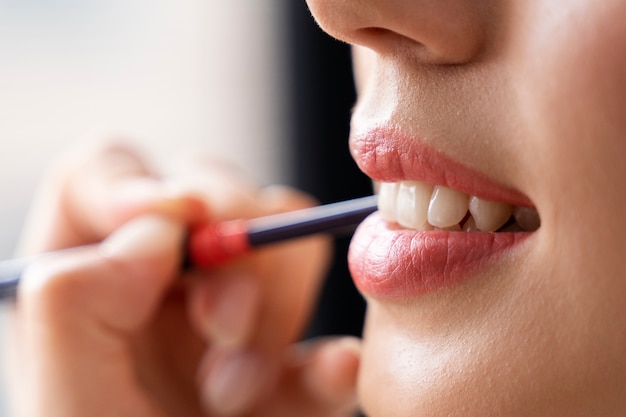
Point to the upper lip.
(386, 154)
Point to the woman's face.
(522, 103)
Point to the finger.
(329, 375)
(92, 191)
(286, 287)
(234, 381)
(287, 280)
(319, 379)
(115, 284)
(117, 185)
(314, 379)
(223, 307)
(223, 188)
(291, 274)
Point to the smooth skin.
(113, 328)
(533, 94)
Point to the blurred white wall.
(172, 74)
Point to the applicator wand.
(213, 244)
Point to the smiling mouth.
(421, 206)
(439, 221)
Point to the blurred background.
(253, 82)
(168, 74)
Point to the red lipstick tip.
(217, 243)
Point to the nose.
(434, 31)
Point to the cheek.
(572, 97)
(569, 69)
(570, 79)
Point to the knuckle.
(50, 286)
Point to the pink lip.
(385, 154)
(400, 263)
(387, 261)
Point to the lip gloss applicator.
(213, 244)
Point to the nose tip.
(433, 31)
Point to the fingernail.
(188, 208)
(235, 382)
(144, 237)
(186, 201)
(231, 320)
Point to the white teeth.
(412, 204)
(489, 215)
(420, 206)
(447, 207)
(387, 200)
(527, 218)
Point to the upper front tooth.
(412, 204)
(387, 197)
(447, 207)
(489, 215)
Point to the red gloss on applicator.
(217, 243)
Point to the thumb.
(115, 285)
(149, 251)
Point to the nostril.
(384, 40)
(443, 52)
(433, 32)
(387, 42)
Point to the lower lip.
(400, 263)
